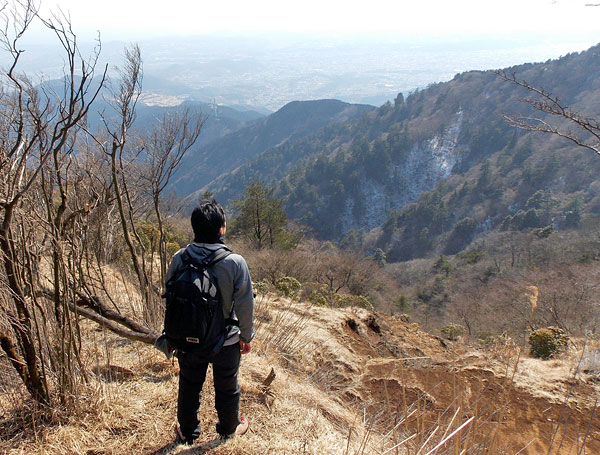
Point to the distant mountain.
(220, 120)
(159, 98)
(437, 170)
(289, 124)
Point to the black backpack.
(194, 320)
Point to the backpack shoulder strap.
(218, 255)
(186, 258)
(213, 258)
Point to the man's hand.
(245, 348)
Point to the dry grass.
(346, 383)
(121, 408)
(129, 406)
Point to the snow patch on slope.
(427, 163)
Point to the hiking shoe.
(239, 431)
(181, 438)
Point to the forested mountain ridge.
(292, 122)
(276, 162)
(429, 173)
(443, 166)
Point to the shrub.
(288, 286)
(587, 257)
(148, 234)
(317, 298)
(172, 248)
(443, 265)
(471, 257)
(380, 257)
(547, 342)
(543, 233)
(486, 337)
(342, 300)
(453, 331)
(261, 287)
(402, 304)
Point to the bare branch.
(547, 103)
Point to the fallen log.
(95, 303)
(94, 309)
(145, 336)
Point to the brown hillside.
(347, 382)
(386, 366)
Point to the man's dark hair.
(207, 220)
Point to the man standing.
(231, 275)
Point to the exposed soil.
(390, 365)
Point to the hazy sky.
(135, 19)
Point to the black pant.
(192, 373)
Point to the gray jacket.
(235, 285)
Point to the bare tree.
(68, 199)
(165, 146)
(141, 166)
(38, 125)
(118, 151)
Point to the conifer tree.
(261, 218)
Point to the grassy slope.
(342, 376)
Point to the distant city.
(264, 72)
